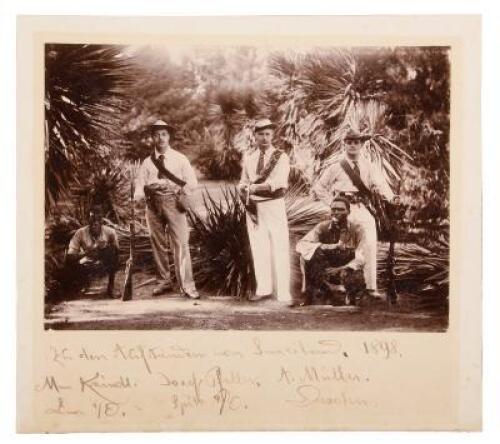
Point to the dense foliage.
(100, 99)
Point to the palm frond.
(85, 92)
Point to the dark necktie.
(161, 159)
(260, 164)
(356, 167)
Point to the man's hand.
(100, 244)
(346, 272)
(92, 253)
(338, 246)
(328, 247)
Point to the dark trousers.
(325, 269)
(105, 261)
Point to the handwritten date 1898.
(382, 349)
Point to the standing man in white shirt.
(337, 181)
(264, 180)
(165, 178)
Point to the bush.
(222, 260)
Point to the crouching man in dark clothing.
(93, 250)
(331, 257)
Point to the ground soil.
(171, 311)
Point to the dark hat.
(162, 124)
(263, 124)
(353, 134)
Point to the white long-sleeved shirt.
(177, 163)
(335, 179)
(82, 241)
(278, 177)
(351, 236)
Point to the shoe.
(375, 294)
(192, 294)
(164, 288)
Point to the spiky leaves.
(222, 259)
(85, 89)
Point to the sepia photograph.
(248, 223)
(240, 187)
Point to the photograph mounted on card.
(262, 215)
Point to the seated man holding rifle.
(361, 183)
(331, 255)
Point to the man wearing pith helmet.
(263, 183)
(339, 179)
(165, 178)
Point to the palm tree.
(85, 92)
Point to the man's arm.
(379, 182)
(310, 243)
(359, 260)
(75, 243)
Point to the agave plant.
(222, 260)
(85, 91)
(421, 273)
(105, 184)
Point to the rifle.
(395, 212)
(128, 286)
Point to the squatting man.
(93, 249)
(331, 257)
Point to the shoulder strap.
(269, 167)
(166, 173)
(355, 179)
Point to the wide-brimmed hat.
(353, 134)
(162, 124)
(263, 124)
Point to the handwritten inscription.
(308, 395)
(382, 349)
(119, 380)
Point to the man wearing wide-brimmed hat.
(340, 178)
(165, 178)
(264, 181)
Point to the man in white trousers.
(264, 180)
(337, 180)
(164, 179)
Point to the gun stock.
(128, 281)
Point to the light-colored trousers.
(270, 245)
(360, 214)
(172, 223)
